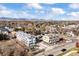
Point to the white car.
(68, 41)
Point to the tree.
(77, 45)
(21, 29)
(4, 37)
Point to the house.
(4, 31)
(50, 29)
(70, 34)
(28, 39)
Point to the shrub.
(4, 37)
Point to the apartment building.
(51, 38)
(28, 39)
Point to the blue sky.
(46, 11)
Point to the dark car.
(63, 50)
(50, 55)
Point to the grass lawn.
(68, 51)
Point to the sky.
(45, 11)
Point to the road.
(55, 50)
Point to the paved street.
(55, 50)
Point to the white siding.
(26, 38)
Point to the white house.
(70, 34)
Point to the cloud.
(74, 5)
(50, 3)
(2, 7)
(5, 12)
(35, 5)
(58, 11)
(74, 14)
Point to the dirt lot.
(13, 48)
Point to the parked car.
(63, 50)
(69, 41)
(50, 55)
